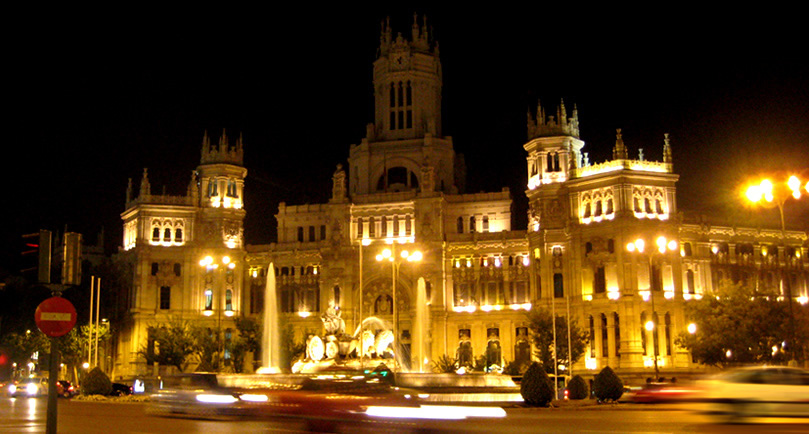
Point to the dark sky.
(94, 101)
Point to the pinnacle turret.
(223, 152)
(543, 125)
(619, 152)
(666, 149)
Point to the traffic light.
(39, 244)
(71, 268)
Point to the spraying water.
(271, 336)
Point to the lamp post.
(663, 245)
(211, 266)
(775, 195)
(389, 254)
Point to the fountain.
(270, 337)
(421, 329)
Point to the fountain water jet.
(271, 336)
(421, 327)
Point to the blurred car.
(65, 389)
(30, 387)
(663, 392)
(628, 395)
(761, 391)
(120, 389)
(322, 402)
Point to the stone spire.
(666, 149)
(193, 189)
(544, 125)
(223, 152)
(145, 187)
(619, 151)
(129, 191)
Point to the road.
(23, 415)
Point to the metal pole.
(90, 335)
(569, 347)
(53, 372)
(395, 311)
(555, 362)
(362, 346)
(654, 318)
(98, 325)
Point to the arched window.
(647, 204)
(208, 299)
(384, 230)
(472, 224)
(396, 226)
(617, 334)
(592, 337)
(485, 223)
(587, 211)
(459, 225)
(610, 208)
(408, 227)
(659, 205)
(605, 345)
(689, 279)
(643, 332)
(156, 235)
(359, 227)
(229, 300)
(558, 286)
(371, 227)
(598, 208)
(178, 235)
(600, 280)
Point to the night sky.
(94, 102)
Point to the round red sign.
(55, 316)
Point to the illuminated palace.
(402, 189)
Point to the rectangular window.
(322, 232)
(165, 297)
(558, 285)
(520, 292)
(312, 234)
(600, 281)
(300, 234)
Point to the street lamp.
(389, 254)
(771, 195)
(664, 245)
(211, 265)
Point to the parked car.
(120, 389)
(30, 387)
(65, 389)
(758, 392)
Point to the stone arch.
(380, 286)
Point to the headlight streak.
(438, 412)
(216, 399)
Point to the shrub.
(536, 388)
(515, 368)
(607, 385)
(445, 365)
(96, 383)
(577, 388)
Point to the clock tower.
(405, 142)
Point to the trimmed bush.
(536, 388)
(577, 388)
(607, 385)
(96, 383)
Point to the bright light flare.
(216, 399)
(692, 328)
(650, 325)
(254, 397)
(439, 412)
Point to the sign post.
(55, 317)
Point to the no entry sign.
(55, 316)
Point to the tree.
(739, 325)
(540, 322)
(169, 344)
(248, 340)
